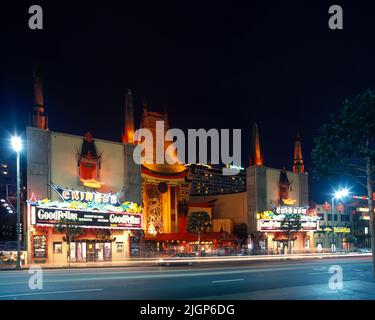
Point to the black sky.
(212, 65)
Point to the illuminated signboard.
(85, 196)
(328, 229)
(85, 219)
(293, 210)
(276, 225)
(272, 221)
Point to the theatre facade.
(83, 193)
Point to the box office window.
(57, 247)
(119, 247)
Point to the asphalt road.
(304, 279)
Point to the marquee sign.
(276, 225)
(84, 196)
(329, 229)
(272, 221)
(290, 210)
(85, 219)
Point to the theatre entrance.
(91, 251)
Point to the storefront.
(96, 231)
(211, 243)
(332, 238)
(84, 198)
(286, 226)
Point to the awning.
(208, 236)
(282, 237)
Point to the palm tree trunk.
(371, 211)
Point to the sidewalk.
(75, 265)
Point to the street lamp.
(342, 193)
(17, 147)
(338, 194)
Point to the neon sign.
(85, 219)
(290, 210)
(277, 226)
(84, 196)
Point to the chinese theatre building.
(80, 183)
(278, 205)
(165, 195)
(84, 192)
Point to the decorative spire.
(38, 118)
(256, 156)
(128, 135)
(298, 166)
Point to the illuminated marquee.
(84, 196)
(291, 210)
(271, 221)
(85, 219)
(276, 225)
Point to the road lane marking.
(48, 292)
(228, 280)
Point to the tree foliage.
(345, 144)
(69, 228)
(71, 231)
(199, 221)
(240, 232)
(290, 224)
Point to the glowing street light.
(16, 144)
(17, 147)
(342, 193)
(338, 194)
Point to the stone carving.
(154, 213)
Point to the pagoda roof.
(165, 171)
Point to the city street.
(288, 279)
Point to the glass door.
(90, 251)
(107, 251)
(99, 254)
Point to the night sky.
(218, 65)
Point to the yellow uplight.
(289, 201)
(92, 183)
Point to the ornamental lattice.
(154, 212)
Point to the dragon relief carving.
(154, 214)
